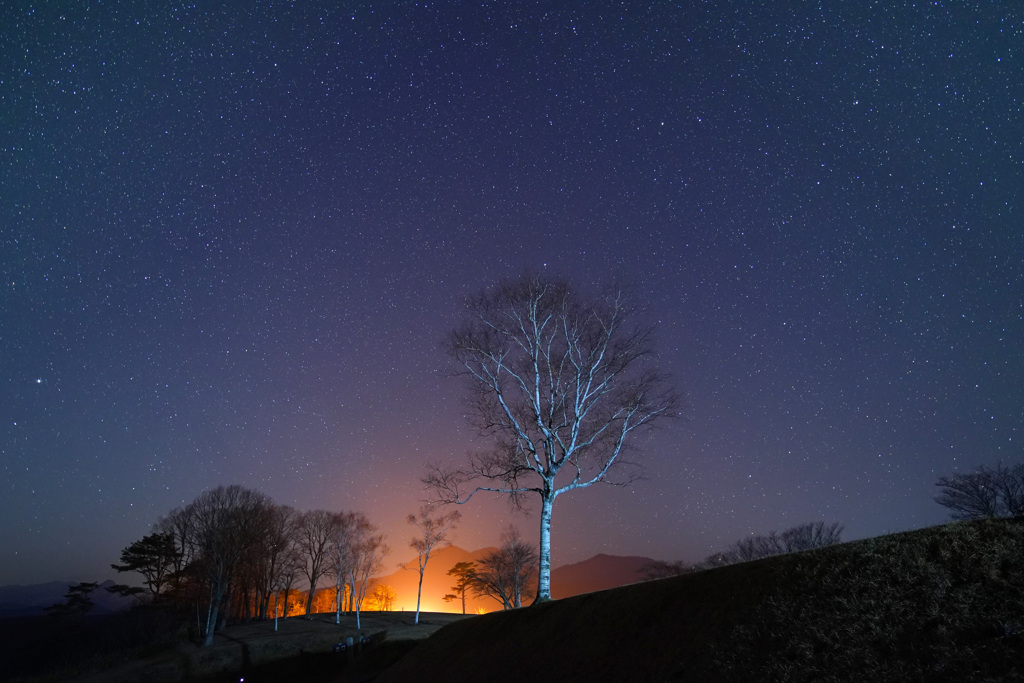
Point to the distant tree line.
(232, 552)
(795, 539)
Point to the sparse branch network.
(559, 383)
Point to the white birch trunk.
(544, 571)
(419, 592)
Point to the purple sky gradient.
(233, 237)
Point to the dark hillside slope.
(938, 604)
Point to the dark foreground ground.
(938, 604)
(300, 650)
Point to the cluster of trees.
(795, 539)
(986, 492)
(232, 550)
(505, 574)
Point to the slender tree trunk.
(544, 571)
(216, 596)
(419, 592)
(309, 600)
(352, 580)
(338, 597)
(208, 627)
(226, 605)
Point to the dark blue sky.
(233, 236)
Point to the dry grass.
(939, 604)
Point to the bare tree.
(504, 574)
(275, 555)
(342, 558)
(383, 597)
(226, 522)
(808, 536)
(795, 539)
(287, 573)
(433, 532)
(367, 548)
(986, 492)
(314, 534)
(559, 382)
(179, 524)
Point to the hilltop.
(944, 603)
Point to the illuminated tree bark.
(559, 383)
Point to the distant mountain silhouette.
(21, 601)
(599, 573)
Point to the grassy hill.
(938, 604)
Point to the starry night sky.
(233, 236)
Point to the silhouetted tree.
(384, 597)
(340, 562)
(366, 549)
(77, 601)
(809, 536)
(153, 557)
(986, 492)
(179, 525)
(273, 554)
(558, 381)
(227, 524)
(433, 529)
(287, 573)
(464, 573)
(315, 531)
(504, 574)
(795, 539)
